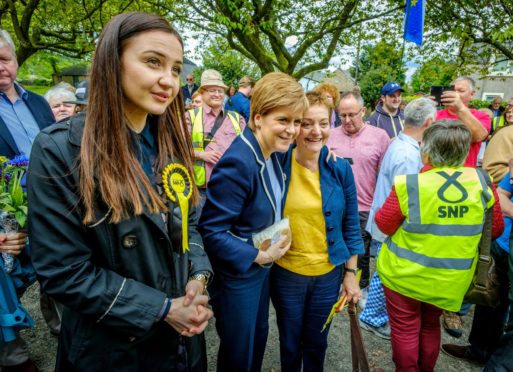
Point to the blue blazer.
(339, 205)
(185, 92)
(240, 202)
(42, 114)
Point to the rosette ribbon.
(178, 188)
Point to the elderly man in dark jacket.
(22, 115)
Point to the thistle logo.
(449, 211)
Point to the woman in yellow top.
(321, 205)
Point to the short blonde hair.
(195, 94)
(331, 89)
(276, 90)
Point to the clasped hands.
(189, 314)
(12, 243)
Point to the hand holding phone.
(438, 90)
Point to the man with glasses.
(188, 90)
(213, 128)
(388, 114)
(364, 147)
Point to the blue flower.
(20, 161)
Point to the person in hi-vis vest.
(434, 221)
(213, 128)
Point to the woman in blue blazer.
(244, 196)
(321, 205)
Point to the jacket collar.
(249, 138)
(76, 128)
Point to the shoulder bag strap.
(485, 259)
(215, 128)
(358, 354)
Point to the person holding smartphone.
(457, 104)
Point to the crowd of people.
(154, 207)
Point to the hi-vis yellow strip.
(178, 187)
(339, 305)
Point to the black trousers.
(488, 323)
(364, 259)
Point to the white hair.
(418, 111)
(59, 92)
(6, 38)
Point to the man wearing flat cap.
(212, 127)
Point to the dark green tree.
(482, 29)
(68, 28)
(378, 65)
(433, 72)
(286, 35)
(232, 65)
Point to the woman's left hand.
(351, 288)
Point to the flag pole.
(408, 7)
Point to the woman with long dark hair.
(112, 228)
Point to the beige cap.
(212, 78)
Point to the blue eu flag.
(414, 21)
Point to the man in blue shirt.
(402, 157)
(240, 100)
(22, 115)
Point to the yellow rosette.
(178, 187)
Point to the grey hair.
(59, 92)
(354, 94)
(468, 79)
(418, 111)
(447, 143)
(5, 37)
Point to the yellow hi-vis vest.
(198, 140)
(497, 122)
(432, 256)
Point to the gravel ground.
(43, 345)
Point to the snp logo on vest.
(448, 193)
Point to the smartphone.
(437, 90)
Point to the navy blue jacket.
(239, 203)
(185, 92)
(339, 206)
(42, 114)
(239, 103)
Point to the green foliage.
(378, 65)
(40, 68)
(68, 28)
(433, 72)
(479, 103)
(230, 64)
(39, 89)
(482, 31)
(12, 197)
(259, 29)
